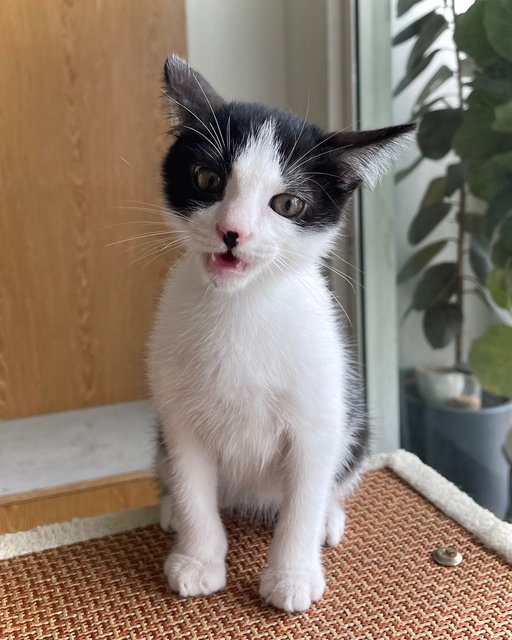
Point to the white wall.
(239, 46)
(269, 51)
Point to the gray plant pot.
(465, 446)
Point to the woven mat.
(382, 584)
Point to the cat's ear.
(187, 93)
(365, 156)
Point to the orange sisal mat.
(382, 584)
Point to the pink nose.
(231, 235)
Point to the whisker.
(162, 214)
(214, 145)
(155, 253)
(318, 155)
(348, 279)
(331, 268)
(353, 266)
(141, 237)
(320, 173)
(211, 109)
(228, 134)
(189, 110)
(326, 193)
(298, 137)
(311, 291)
(305, 155)
(160, 252)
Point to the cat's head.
(257, 190)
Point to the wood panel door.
(82, 130)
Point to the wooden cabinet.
(82, 131)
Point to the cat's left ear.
(188, 94)
(365, 156)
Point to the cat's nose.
(231, 237)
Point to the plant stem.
(459, 292)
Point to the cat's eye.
(208, 180)
(287, 205)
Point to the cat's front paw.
(189, 576)
(292, 589)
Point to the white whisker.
(305, 155)
(221, 139)
(298, 137)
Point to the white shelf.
(72, 446)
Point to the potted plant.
(454, 426)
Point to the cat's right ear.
(187, 93)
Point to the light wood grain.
(82, 134)
(23, 511)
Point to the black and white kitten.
(247, 364)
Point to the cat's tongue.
(225, 262)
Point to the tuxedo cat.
(260, 409)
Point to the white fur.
(248, 377)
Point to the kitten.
(248, 367)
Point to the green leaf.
(503, 117)
(440, 76)
(415, 263)
(498, 26)
(426, 220)
(496, 81)
(404, 6)
(506, 235)
(499, 284)
(432, 28)
(437, 284)
(412, 74)
(434, 193)
(412, 30)
(473, 223)
(400, 175)
(436, 131)
(474, 138)
(454, 178)
(479, 260)
(441, 323)
(499, 208)
(470, 35)
(500, 255)
(490, 361)
(484, 178)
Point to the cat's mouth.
(225, 263)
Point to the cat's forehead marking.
(258, 162)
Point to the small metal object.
(447, 556)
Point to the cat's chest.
(235, 347)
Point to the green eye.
(208, 180)
(287, 205)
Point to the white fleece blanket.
(485, 526)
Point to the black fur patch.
(360, 431)
(322, 169)
(310, 165)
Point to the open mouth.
(225, 262)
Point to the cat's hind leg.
(162, 469)
(334, 522)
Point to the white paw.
(334, 524)
(292, 589)
(166, 516)
(191, 577)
